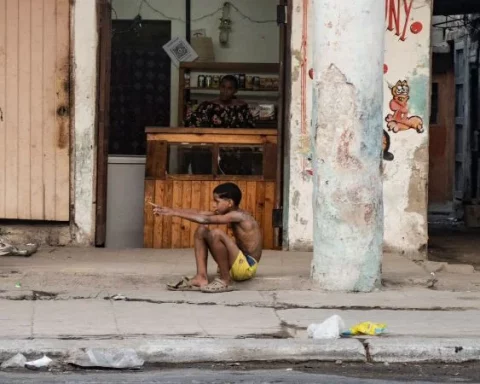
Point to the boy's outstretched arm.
(204, 213)
(199, 217)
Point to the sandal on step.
(217, 286)
(184, 284)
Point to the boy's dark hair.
(232, 79)
(229, 191)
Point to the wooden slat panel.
(156, 159)
(243, 187)
(3, 87)
(177, 222)
(36, 111)
(258, 199)
(104, 14)
(148, 214)
(209, 193)
(251, 196)
(34, 115)
(187, 204)
(209, 138)
(49, 113)
(196, 204)
(167, 220)
(270, 162)
(205, 196)
(260, 204)
(158, 220)
(222, 178)
(207, 132)
(268, 222)
(62, 111)
(11, 110)
(24, 89)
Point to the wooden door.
(34, 109)
(442, 133)
(103, 113)
(284, 23)
(462, 120)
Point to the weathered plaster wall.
(407, 59)
(406, 111)
(298, 222)
(348, 84)
(85, 43)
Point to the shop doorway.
(116, 135)
(442, 136)
(454, 218)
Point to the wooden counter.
(186, 190)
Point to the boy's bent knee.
(201, 232)
(216, 234)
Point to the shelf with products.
(266, 86)
(246, 92)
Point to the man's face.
(227, 90)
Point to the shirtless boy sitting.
(237, 259)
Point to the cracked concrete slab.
(224, 350)
(235, 298)
(156, 319)
(68, 270)
(409, 298)
(73, 318)
(399, 323)
(238, 322)
(191, 350)
(406, 350)
(16, 319)
(204, 321)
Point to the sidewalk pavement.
(94, 270)
(65, 303)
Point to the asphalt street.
(195, 376)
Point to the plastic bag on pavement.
(329, 329)
(366, 328)
(106, 358)
(45, 361)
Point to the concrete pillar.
(85, 46)
(347, 139)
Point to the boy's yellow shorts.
(244, 267)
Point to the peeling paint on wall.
(407, 59)
(85, 75)
(298, 227)
(418, 181)
(406, 111)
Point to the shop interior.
(454, 160)
(165, 145)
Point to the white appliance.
(125, 189)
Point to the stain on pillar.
(418, 181)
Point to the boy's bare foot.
(217, 286)
(199, 281)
